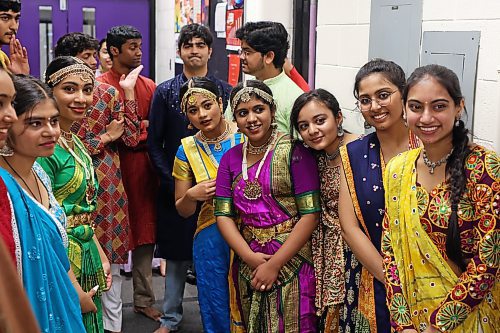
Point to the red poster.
(234, 69)
(234, 21)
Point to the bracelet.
(109, 136)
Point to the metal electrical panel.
(395, 31)
(457, 50)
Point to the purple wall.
(108, 13)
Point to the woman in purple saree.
(267, 206)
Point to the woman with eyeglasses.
(378, 88)
(441, 239)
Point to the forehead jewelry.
(190, 99)
(80, 69)
(245, 94)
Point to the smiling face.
(254, 119)
(195, 53)
(36, 132)
(205, 114)
(9, 24)
(73, 96)
(7, 113)
(431, 111)
(377, 88)
(318, 127)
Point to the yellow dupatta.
(426, 278)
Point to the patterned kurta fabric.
(111, 215)
(328, 249)
(139, 177)
(449, 302)
(290, 188)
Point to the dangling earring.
(340, 130)
(305, 144)
(190, 126)
(6, 150)
(404, 119)
(274, 124)
(457, 122)
(367, 125)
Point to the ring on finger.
(263, 287)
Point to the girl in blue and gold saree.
(441, 233)
(195, 170)
(271, 186)
(37, 221)
(378, 89)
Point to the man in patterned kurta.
(17, 63)
(139, 178)
(107, 123)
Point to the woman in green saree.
(73, 180)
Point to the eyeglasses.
(383, 98)
(246, 52)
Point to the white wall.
(165, 44)
(342, 47)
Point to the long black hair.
(319, 95)
(392, 72)
(455, 165)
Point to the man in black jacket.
(167, 126)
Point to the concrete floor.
(137, 323)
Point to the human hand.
(202, 191)
(18, 57)
(128, 82)
(107, 272)
(264, 276)
(86, 302)
(115, 128)
(256, 259)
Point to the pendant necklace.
(336, 152)
(432, 165)
(26, 184)
(253, 189)
(89, 175)
(217, 141)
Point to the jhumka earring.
(190, 126)
(6, 150)
(367, 125)
(340, 130)
(457, 122)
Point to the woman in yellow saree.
(441, 235)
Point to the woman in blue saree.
(378, 88)
(37, 223)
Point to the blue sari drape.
(44, 264)
(365, 311)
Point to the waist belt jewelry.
(265, 235)
(80, 219)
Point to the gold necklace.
(257, 150)
(217, 141)
(253, 189)
(68, 136)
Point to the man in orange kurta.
(139, 178)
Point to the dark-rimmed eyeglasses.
(383, 98)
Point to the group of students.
(316, 230)
(331, 232)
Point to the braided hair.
(455, 170)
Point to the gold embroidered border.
(352, 188)
(223, 207)
(308, 202)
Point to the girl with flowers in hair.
(271, 185)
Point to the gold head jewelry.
(245, 94)
(190, 99)
(79, 69)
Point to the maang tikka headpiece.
(79, 69)
(245, 94)
(190, 99)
